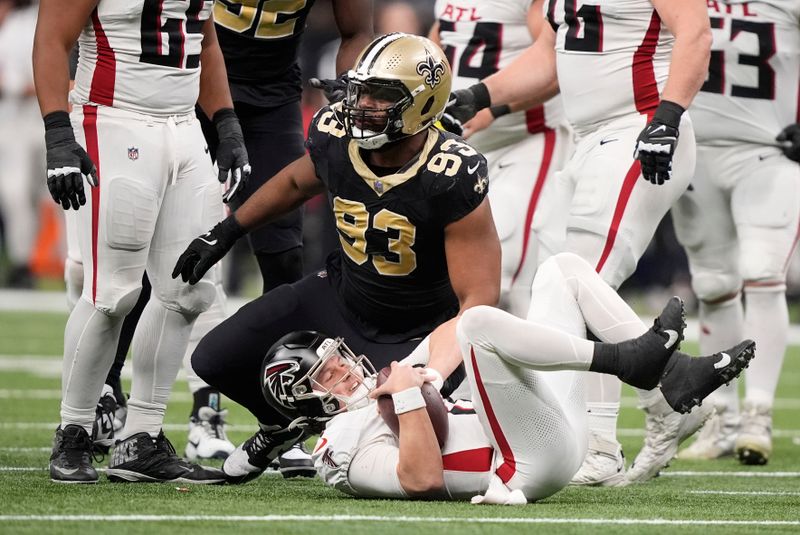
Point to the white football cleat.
(207, 438)
(754, 443)
(716, 438)
(666, 430)
(604, 465)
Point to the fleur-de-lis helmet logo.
(430, 70)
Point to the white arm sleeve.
(373, 472)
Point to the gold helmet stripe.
(371, 56)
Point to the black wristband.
(231, 228)
(56, 119)
(223, 114)
(481, 94)
(669, 113)
(499, 111)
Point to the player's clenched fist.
(67, 162)
(207, 250)
(656, 144)
(465, 103)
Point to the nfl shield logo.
(133, 153)
(379, 186)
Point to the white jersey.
(479, 37)
(142, 55)
(751, 92)
(612, 58)
(358, 454)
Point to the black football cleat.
(642, 360)
(688, 380)
(71, 460)
(141, 458)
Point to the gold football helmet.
(399, 86)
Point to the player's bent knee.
(190, 299)
(762, 272)
(121, 303)
(711, 287)
(475, 322)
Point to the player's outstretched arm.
(291, 187)
(529, 80)
(473, 263)
(419, 466)
(57, 30)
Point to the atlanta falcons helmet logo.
(279, 378)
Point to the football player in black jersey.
(260, 43)
(418, 242)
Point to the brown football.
(433, 403)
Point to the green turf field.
(691, 497)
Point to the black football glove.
(207, 250)
(451, 124)
(232, 158)
(335, 90)
(465, 103)
(657, 142)
(67, 162)
(789, 139)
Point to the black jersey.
(391, 271)
(260, 41)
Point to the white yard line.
(703, 473)
(745, 492)
(393, 519)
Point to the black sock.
(605, 359)
(205, 397)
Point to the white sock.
(90, 341)
(602, 419)
(159, 345)
(202, 326)
(766, 322)
(721, 327)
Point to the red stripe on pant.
(509, 467)
(544, 168)
(477, 460)
(90, 131)
(622, 201)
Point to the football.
(433, 403)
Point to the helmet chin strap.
(360, 396)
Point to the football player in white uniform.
(523, 148)
(739, 220)
(524, 435)
(134, 135)
(626, 70)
